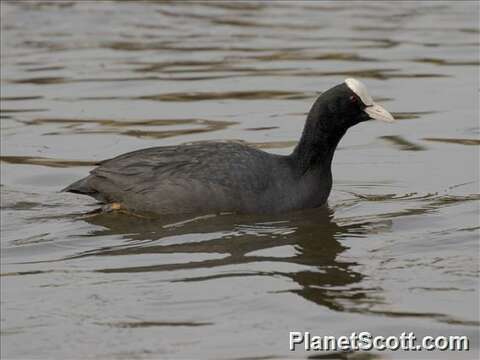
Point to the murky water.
(397, 250)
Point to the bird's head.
(348, 104)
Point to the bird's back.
(197, 178)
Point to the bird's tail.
(79, 187)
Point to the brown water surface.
(396, 251)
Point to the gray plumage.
(201, 178)
(214, 177)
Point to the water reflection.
(310, 239)
(43, 161)
(402, 144)
(76, 75)
(455, 141)
(138, 129)
(347, 356)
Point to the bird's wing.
(232, 166)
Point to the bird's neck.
(314, 152)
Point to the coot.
(215, 177)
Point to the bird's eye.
(353, 99)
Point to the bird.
(231, 177)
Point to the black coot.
(214, 177)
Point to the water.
(397, 249)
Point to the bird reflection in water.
(325, 279)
